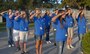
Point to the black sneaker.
(55, 44)
(26, 52)
(18, 49)
(22, 52)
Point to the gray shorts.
(38, 37)
(23, 36)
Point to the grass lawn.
(3, 26)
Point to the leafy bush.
(86, 43)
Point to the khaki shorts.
(70, 31)
(23, 36)
(15, 35)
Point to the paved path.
(47, 48)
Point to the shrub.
(86, 43)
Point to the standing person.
(24, 26)
(9, 25)
(56, 11)
(16, 28)
(47, 25)
(81, 23)
(39, 29)
(61, 33)
(70, 23)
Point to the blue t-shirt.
(69, 21)
(81, 25)
(24, 24)
(47, 20)
(9, 21)
(61, 32)
(38, 26)
(16, 23)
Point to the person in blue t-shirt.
(47, 18)
(70, 23)
(56, 11)
(16, 27)
(61, 32)
(81, 23)
(38, 29)
(9, 25)
(23, 31)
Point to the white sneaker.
(49, 41)
(71, 46)
(82, 52)
(12, 44)
(68, 47)
(9, 45)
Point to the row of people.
(62, 22)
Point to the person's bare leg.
(71, 36)
(21, 47)
(40, 47)
(68, 39)
(37, 46)
(25, 47)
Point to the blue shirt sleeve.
(5, 15)
(34, 18)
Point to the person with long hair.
(81, 23)
(70, 23)
(9, 25)
(61, 32)
(38, 29)
(23, 34)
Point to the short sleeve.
(5, 15)
(34, 18)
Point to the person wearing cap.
(81, 23)
(70, 23)
(9, 25)
(61, 32)
(38, 29)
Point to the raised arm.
(55, 17)
(2, 12)
(11, 15)
(17, 17)
(31, 17)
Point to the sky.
(59, 1)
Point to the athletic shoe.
(9, 46)
(12, 45)
(48, 42)
(68, 47)
(55, 44)
(18, 49)
(71, 46)
(82, 52)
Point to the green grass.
(86, 43)
(3, 26)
